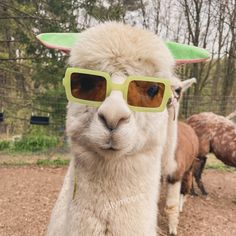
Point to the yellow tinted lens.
(88, 87)
(145, 93)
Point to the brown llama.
(217, 135)
(185, 154)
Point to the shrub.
(34, 143)
(4, 145)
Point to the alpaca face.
(113, 129)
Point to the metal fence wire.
(195, 104)
(17, 114)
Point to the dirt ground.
(27, 195)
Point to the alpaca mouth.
(109, 147)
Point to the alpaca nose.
(114, 111)
(114, 123)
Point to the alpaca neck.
(117, 170)
(121, 192)
(169, 164)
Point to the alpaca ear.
(187, 84)
(179, 87)
(182, 53)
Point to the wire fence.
(22, 115)
(218, 104)
(17, 114)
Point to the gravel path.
(27, 195)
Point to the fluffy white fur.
(116, 189)
(173, 202)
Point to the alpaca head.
(112, 128)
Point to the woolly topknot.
(116, 47)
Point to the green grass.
(216, 164)
(4, 145)
(40, 162)
(56, 162)
(16, 164)
(35, 143)
(30, 144)
(219, 166)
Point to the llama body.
(112, 185)
(217, 135)
(179, 181)
(170, 165)
(186, 152)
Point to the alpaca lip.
(109, 147)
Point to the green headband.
(182, 53)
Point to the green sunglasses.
(143, 94)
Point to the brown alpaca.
(217, 135)
(185, 154)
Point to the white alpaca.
(112, 184)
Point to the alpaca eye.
(152, 91)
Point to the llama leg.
(198, 175)
(183, 199)
(201, 187)
(181, 203)
(192, 191)
(172, 206)
(186, 185)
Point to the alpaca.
(217, 135)
(170, 164)
(186, 152)
(112, 184)
(186, 156)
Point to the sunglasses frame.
(113, 86)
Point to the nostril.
(114, 122)
(104, 121)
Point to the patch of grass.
(40, 162)
(214, 163)
(30, 144)
(48, 162)
(219, 166)
(17, 164)
(4, 145)
(35, 143)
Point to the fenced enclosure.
(218, 104)
(22, 116)
(34, 120)
(26, 116)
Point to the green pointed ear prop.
(182, 53)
